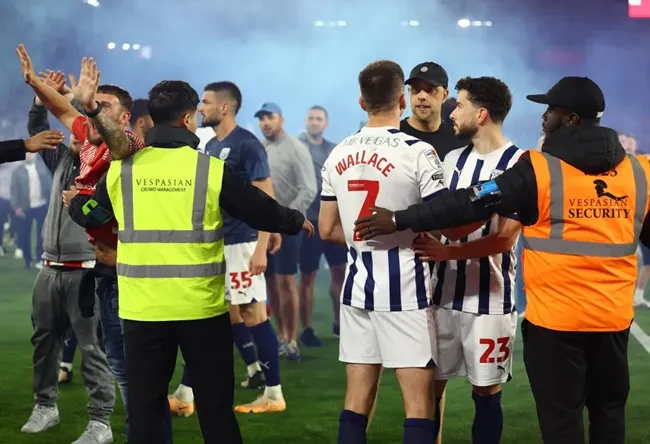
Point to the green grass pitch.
(314, 389)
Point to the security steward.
(167, 200)
(584, 204)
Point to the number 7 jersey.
(381, 166)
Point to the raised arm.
(58, 105)
(112, 134)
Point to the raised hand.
(55, 80)
(45, 140)
(29, 76)
(88, 83)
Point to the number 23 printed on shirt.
(371, 187)
(241, 280)
(488, 356)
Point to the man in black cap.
(579, 265)
(428, 84)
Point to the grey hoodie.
(63, 240)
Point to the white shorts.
(395, 339)
(477, 346)
(241, 287)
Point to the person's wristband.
(94, 113)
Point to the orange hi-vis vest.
(580, 257)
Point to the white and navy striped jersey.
(387, 168)
(482, 285)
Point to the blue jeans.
(69, 347)
(520, 301)
(113, 328)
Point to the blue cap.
(268, 108)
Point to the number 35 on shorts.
(240, 280)
(495, 351)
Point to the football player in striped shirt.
(474, 278)
(386, 314)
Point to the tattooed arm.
(112, 134)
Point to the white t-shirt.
(481, 285)
(387, 168)
(204, 134)
(36, 198)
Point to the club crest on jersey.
(435, 162)
(495, 173)
(433, 159)
(223, 155)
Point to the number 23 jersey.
(381, 166)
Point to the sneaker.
(254, 382)
(180, 408)
(42, 418)
(293, 353)
(263, 404)
(309, 338)
(65, 375)
(336, 330)
(2, 250)
(282, 347)
(96, 433)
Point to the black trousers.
(5, 216)
(570, 370)
(151, 349)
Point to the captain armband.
(96, 213)
(486, 193)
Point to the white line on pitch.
(640, 336)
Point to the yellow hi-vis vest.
(170, 260)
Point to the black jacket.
(240, 199)
(593, 150)
(12, 150)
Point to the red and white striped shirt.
(95, 161)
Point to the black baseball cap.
(580, 95)
(431, 73)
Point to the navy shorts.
(646, 255)
(313, 248)
(285, 261)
